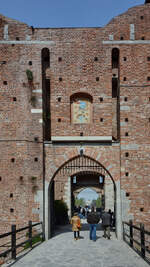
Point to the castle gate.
(73, 176)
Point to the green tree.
(98, 202)
(80, 202)
(61, 212)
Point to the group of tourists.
(82, 211)
(93, 219)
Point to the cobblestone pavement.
(63, 251)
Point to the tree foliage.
(29, 75)
(61, 212)
(80, 202)
(97, 202)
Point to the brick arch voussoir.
(70, 155)
(67, 156)
(101, 160)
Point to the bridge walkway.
(63, 251)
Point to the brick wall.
(21, 109)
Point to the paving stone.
(63, 251)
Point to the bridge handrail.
(142, 245)
(13, 246)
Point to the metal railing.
(137, 238)
(12, 240)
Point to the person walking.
(93, 219)
(76, 225)
(106, 222)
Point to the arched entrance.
(87, 179)
(87, 172)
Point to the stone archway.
(71, 167)
(84, 180)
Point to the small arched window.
(81, 108)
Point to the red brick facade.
(37, 134)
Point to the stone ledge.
(127, 42)
(81, 138)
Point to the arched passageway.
(74, 175)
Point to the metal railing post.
(131, 233)
(142, 240)
(30, 233)
(13, 241)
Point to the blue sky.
(88, 194)
(65, 13)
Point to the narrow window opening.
(101, 119)
(101, 99)
(60, 79)
(13, 45)
(11, 194)
(96, 59)
(97, 79)
(148, 78)
(35, 159)
(21, 178)
(30, 63)
(59, 120)
(127, 174)
(127, 194)
(17, 38)
(148, 58)
(59, 59)
(127, 154)
(114, 87)
(115, 58)
(121, 38)
(45, 61)
(5, 82)
(124, 78)
(81, 134)
(0, 178)
(12, 160)
(36, 139)
(125, 59)
(141, 17)
(11, 210)
(126, 134)
(14, 99)
(59, 99)
(125, 99)
(141, 209)
(142, 38)
(32, 28)
(46, 58)
(126, 120)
